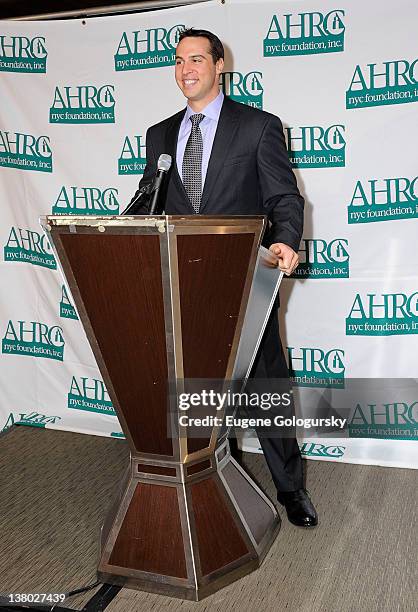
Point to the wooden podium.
(163, 300)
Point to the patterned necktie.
(192, 163)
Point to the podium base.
(186, 530)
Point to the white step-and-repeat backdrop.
(76, 99)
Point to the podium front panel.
(210, 303)
(116, 281)
(216, 258)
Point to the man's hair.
(216, 47)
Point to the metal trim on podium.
(167, 300)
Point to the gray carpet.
(56, 487)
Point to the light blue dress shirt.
(208, 127)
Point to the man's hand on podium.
(288, 259)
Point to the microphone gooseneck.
(150, 191)
(142, 193)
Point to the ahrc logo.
(34, 419)
(394, 420)
(83, 104)
(316, 147)
(305, 34)
(394, 82)
(30, 247)
(86, 201)
(384, 315)
(245, 88)
(147, 48)
(22, 54)
(321, 259)
(316, 367)
(89, 394)
(132, 159)
(25, 151)
(310, 449)
(67, 310)
(388, 199)
(34, 339)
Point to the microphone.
(163, 166)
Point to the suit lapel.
(171, 147)
(227, 126)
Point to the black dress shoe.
(300, 510)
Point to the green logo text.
(89, 394)
(147, 48)
(395, 421)
(315, 367)
(35, 419)
(86, 201)
(67, 310)
(316, 147)
(305, 33)
(386, 314)
(388, 199)
(394, 82)
(83, 104)
(245, 88)
(321, 259)
(132, 159)
(33, 339)
(311, 449)
(22, 54)
(30, 247)
(25, 152)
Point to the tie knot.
(196, 119)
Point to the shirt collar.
(212, 110)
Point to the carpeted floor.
(55, 488)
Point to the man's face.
(196, 74)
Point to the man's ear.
(219, 66)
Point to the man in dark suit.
(231, 159)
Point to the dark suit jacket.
(249, 172)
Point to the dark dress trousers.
(249, 173)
